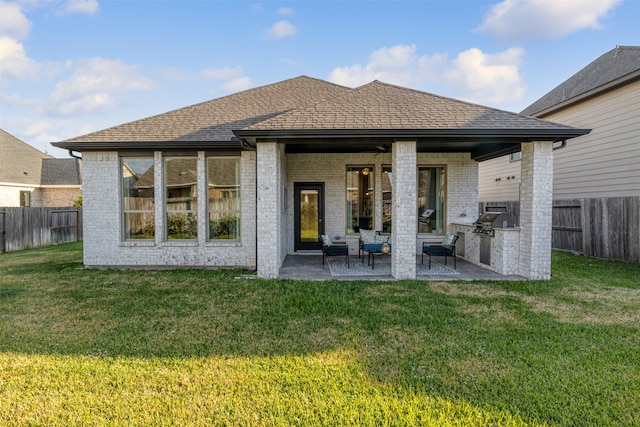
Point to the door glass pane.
(431, 197)
(309, 216)
(359, 199)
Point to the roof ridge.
(202, 103)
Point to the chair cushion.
(326, 239)
(368, 236)
(372, 247)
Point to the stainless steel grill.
(489, 221)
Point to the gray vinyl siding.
(490, 188)
(605, 162)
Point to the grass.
(192, 347)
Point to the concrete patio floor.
(308, 266)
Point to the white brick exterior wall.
(270, 160)
(536, 198)
(405, 210)
(267, 181)
(103, 245)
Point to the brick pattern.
(536, 198)
(103, 224)
(268, 209)
(405, 208)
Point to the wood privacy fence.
(22, 228)
(602, 228)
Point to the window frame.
(443, 202)
(125, 211)
(190, 213)
(370, 202)
(238, 197)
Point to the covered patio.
(382, 130)
(309, 267)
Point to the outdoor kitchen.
(492, 241)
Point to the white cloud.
(398, 64)
(281, 29)
(522, 19)
(473, 75)
(88, 7)
(224, 73)
(285, 11)
(237, 84)
(14, 23)
(91, 87)
(15, 63)
(486, 78)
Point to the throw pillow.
(448, 239)
(326, 239)
(368, 236)
(380, 238)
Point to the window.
(137, 197)
(431, 197)
(25, 198)
(387, 192)
(181, 197)
(223, 181)
(359, 198)
(515, 156)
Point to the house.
(29, 177)
(249, 178)
(596, 184)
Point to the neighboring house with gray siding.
(29, 177)
(596, 185)
(247, 179)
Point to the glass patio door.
(308, 215)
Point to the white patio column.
(405, 208)
(268, 209)
(536, 200)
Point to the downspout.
(73, 155)
(563, 144)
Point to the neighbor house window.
(223, 181)
(431, 197)
(181, 197)
(387, 199)
(25, 198)
(359, 198)
(515, 156)
(137, 197)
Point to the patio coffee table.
(384, 249)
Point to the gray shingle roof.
(214, 120)
(61, 172)
(20, 163)
(382, 106)
(618, 64)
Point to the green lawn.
(86, 347)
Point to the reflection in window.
(223, 177)
(25, 198)
(137, 198)
(359, 198)
(181, 197)
(387, 199)
(431, 196)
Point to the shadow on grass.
(488, 347)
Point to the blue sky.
(69, 67)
